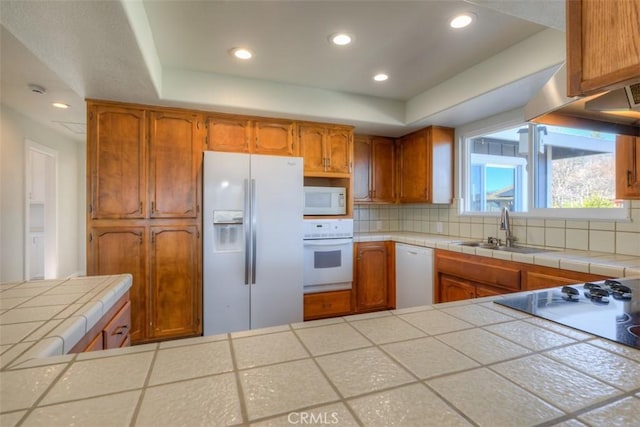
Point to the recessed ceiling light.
(60, 105)
(241, 53)
(380, 77)
(462, 20)
(340, 39)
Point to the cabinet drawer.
(487, 271)
(96, 344)
(327, 304)
(117, 331)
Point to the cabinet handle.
(629, 178)
(140, 206)
(153, 207)
(121, 330)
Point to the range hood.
(620, 106)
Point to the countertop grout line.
(145, 385)
(326, 377)
(35, 404)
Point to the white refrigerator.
(253, 248)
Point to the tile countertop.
(44, 318)
(602, 263)
(465, 363)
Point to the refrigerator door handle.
(253, 232)
(247, 253)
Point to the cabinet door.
(454, 289)
(228, 134)
(118, 250)
(383, 167)
(176, 154)
(176, 294)
(372, 276)
(361, 169)
(116, 152)
(311, 140)
(338, 150)
(627, 167)
(275, 138)
(482, 291)
(603, 52)
(414, 175)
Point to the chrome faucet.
(505, 224)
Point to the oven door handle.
(328, 242)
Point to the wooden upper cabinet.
(383, 170)
(339, 150)
(425, 166)
(116, 152)
(175, 284)
(118, 250)
(312, 148)
(627, 167)
(246, 135)
(229, 134)
(327, 150)
(273, 137)
(361, 168)
(175, 157)
(374, 169)
(603, 45)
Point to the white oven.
(328, 255)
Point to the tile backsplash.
(619, 237)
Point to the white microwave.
(325, 200)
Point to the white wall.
(15, 128)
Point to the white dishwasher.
(414, 276)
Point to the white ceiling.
(176, 53)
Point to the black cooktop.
(609, 309)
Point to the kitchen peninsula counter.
(465, 363)
(602, 263)
(42, 318)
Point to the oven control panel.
(327, 228)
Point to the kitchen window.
(544, 171)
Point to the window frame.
(622, 214)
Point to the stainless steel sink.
(495, 247)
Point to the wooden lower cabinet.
(175, 282)
(116, 250)
(462, 276)
(166, 294)
(327, 304)
(455, 289)
(374, 276)
(537, 277)
(111, 331)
